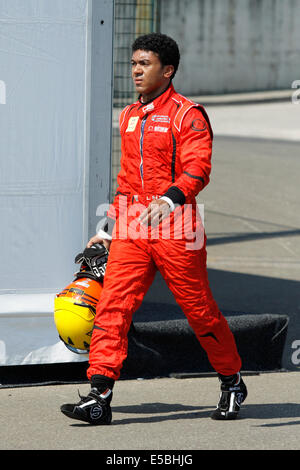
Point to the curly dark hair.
(164, 46)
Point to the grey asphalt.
(252, 217)
(160, 414)
(252, 221)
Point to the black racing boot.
(233, 393)
(94, 409)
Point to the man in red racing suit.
(154, 224)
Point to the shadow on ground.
(159, 412)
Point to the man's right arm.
(120, 200)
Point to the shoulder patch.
(198, 125)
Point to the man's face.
(148, 74)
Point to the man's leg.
(186, 276)
(130, 272)
(185, 273)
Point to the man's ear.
(168, 71)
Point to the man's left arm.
(195, 145)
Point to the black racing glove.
(93, 262)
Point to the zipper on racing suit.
(173, 157)
(141, 149)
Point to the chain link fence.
(132, 18)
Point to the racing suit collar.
(156, 103)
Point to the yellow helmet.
(75, 306)
(74, 313)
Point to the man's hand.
(98, 239)
(157, 211)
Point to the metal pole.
(101, 102)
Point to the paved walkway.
(251, 209)
(161, 414)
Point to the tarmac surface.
(160, 414)
(251, 213)
(252, 221)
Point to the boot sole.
(226, 417)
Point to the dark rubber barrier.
(161, 343)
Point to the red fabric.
(176, 150)
(165, 144)
(130, 271)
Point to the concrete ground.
(253, 228)
(160, 414)
(252, 212)
(252, 217)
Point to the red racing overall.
(166, 152)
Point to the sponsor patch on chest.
(132, 124)
(160, 118)
(158, 129)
